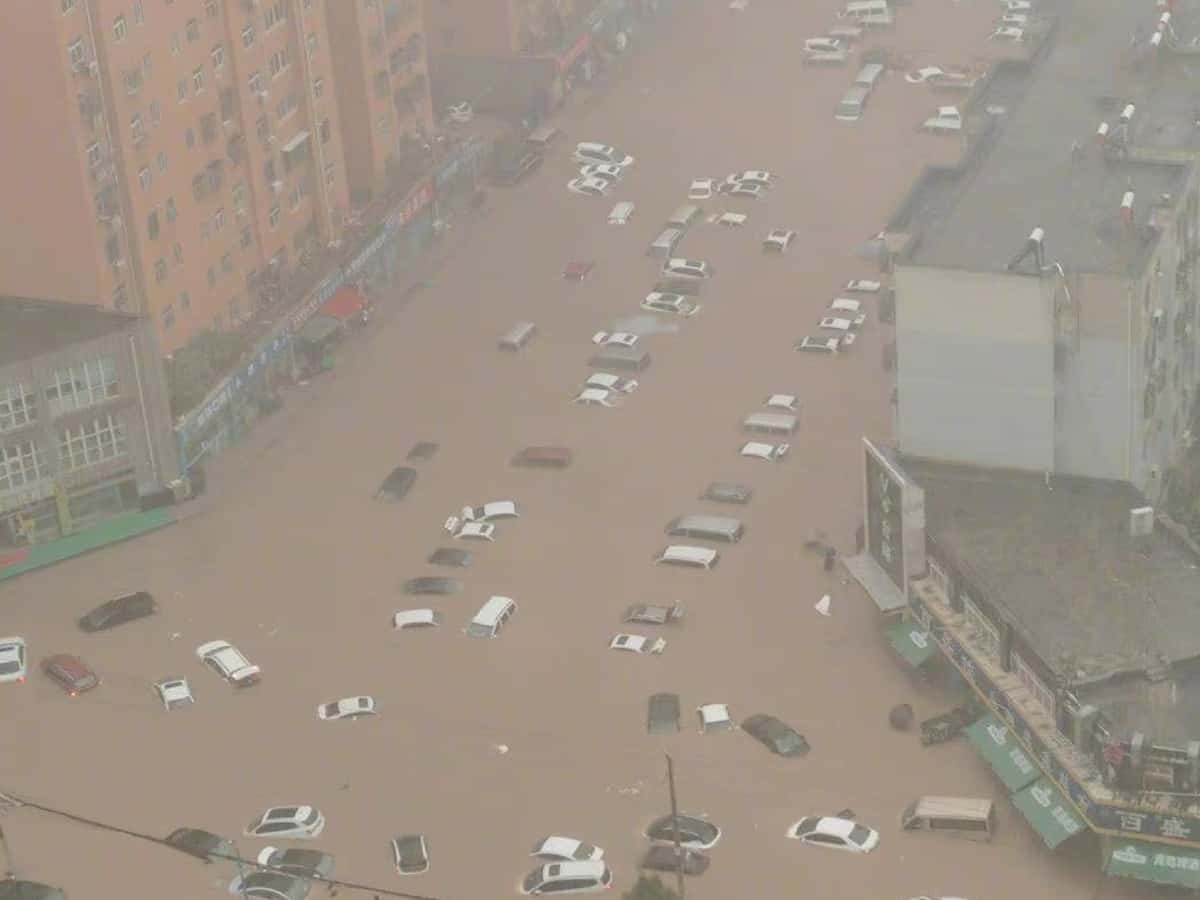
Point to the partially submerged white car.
(779, 240)
(346, 708)
(416, 618)
(566, 849)
(675, 304)
(592, 187)
(844, 327)
(863, 286)
(920, 76)
(496, 509)
(702, 188)
(637, 643)
(12, 659)
(834, 833)
(297, 822)
(609, 382)
(786, 402)
(174, 693)
(730, 220)
(615, 339)
(714, 717)
(228, 662)
(597, 397)
(470, 531)
(763, 451)
(948, 120)
(845, 308)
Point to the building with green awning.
(1157, 863)
(912, 642)
(996, 744)
(1048, 811)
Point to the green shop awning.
(1155, 862)
(1048, 811)
(996, 744)
(912, 642)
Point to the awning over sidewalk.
(1048, 811)
(912, 642)
(1155, 862)
(875, 582)
(997, 745)
(346, 303)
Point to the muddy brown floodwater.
(291, 560)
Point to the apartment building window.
(133, 81)
(275, 14)
(1036, 687)
(294, 198)
(177, 253)
(238, 195)
(278, 62)
(255, 82)
(147, 61)
(262, 128)
(318, 87)
(181, 90)
(308, 5)
(193, 30)
(152, 225)
(212, 277)
(185, 300)
(161, 160)
(168, 318)
(235, 309)
(93, 155)
(112, 249)
(382, 124)
(176, 44)
(19, 465)
(218, 57)
(326, 131)
(120, 29)
(273, 216)
(137, 129)
(76, 53)
(330, 174)
(208, 127)
(139, 13)
(198, 79)
(171, 209)
(986, 635)
(205, 230)
(210, 8)
(248, 36)
(145, 178)
(246, 239)
(120, 297)
(90, 443)
(189, 138)
(219, 219)
(18, 406)
(82, 385)
(155, 113)
(66, 5)
(311, 43)
(226, 104)
(269, 170)
(227, 262)
(160, 270)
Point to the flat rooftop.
(31, 328)
(1061, 565)
(1027, 176)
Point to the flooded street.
(291, 560)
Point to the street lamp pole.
(675, 827)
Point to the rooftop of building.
(1058, 559)
(30, 328)
(1041, 166)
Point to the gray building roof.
(31, 328)
(1060, 564)
(1027, 176)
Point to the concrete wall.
(975, 368)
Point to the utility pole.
(9, 872)
(675, 827)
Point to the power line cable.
(11, 800)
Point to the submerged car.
(432, 584)
(662, 714)
(714, 717)
(174, 693)
(228, 662)
(12, 659)
(566, 848)
(776, 735)
(727, 492)
(410, 854)
(768, 452)
(652, 614)
(297, 862)
(615, 339)
(201, 844)
(568, 878)
(834, 833)
(778, 241)
(118, 611)
(637, 643)
(70, 673)
(609, 382)
(664, 858)
(346, 708)
(694, 833)
(397, 484)
(299, 822)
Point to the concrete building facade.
(378, 49)
(500, 27)
(171, 154)
(1046, 308)
(85, 425)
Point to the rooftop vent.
(1141, 521)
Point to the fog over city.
(458, 449)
